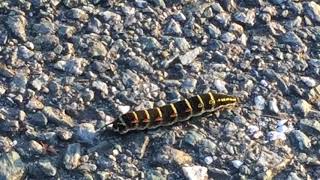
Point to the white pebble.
(237, 163)
(195, 172)
(220, 85)
(208, 160)
(309, 81)
(252, 129)
(274, 135)
(273, 105)
(264, 83)
(260, 102)
(123, 109)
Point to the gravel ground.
(68, 67)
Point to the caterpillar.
(175, 112)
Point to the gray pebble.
(193, 137)
(195, 172)
(66, 31)
(310, 82)
(303, 107)
(6, 144)
(77, 14)
(12, 167)
(18, 84)
(310, 126)
(101, 86)
(17, 25)
(312, 9)
(45, 27)
(247, 17)
(208, 146)
(228, 37)
(64, 134)
(71, 159)
(56, 116)
(73, 65)
(86, 132)
(38, 119)
(87, 167)
(25, 53)
(260, 102)
(36, 147)
(182, 44)
(273, 106)
(300, 140)
(173, 28)
(150, 44)
(34, 104)
(97, 49)
(158, 174)
(47, 167)
(189, 85)
(190, 56)
(46, 42)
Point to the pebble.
(17, 25)
(220, 85)
(300, 140)
(189, 84)
(97, 49)
(310, 82)
(12, 167)
(19, 83)
(310, 126)
(208, 160)
(228, 37)
(47, 167)
(177, 156)
(34, 104)
(190, 56)
(73, 65)
(87, 167)
(86, 132)
(25, 53)
(312, 9)
(101, 86)
(193, 137)
(260, 102)
(208, 146)
(123, 109)
(56, 116)
(72, 156)
(173, 28)
(303, 107)
(273, 106)
(158, 173)
(6, 144)
(195, 172)
(237, 163)
(38, 119)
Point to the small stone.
(260, 102)
(309, 81)
(24, 53)
(40, 81)
(193, 137)
(247, 17)
(46, 42)
(312, 9)
(195, 172)
(38, 119)
(65, 134)
(47, 167)
(108, 15)
(17, 25)
(190, 56)
(273, 106)
(123, 109)
(303, 107)
(299, 139)
(73, 65)
(36, 147)
(177, 156)
(173, 28)
(19, 83)
(56, 116)
(182, 44)
(237, 163)
(158, 174)
(220, 85)
(78, 14)
(208, 146)
(150, 43)
(275, 135)
(2, 89)
(5, 144)
(101, 86)
(97, 49)
(310, 126)
(34, 104)
(72, 157)
(208, 160)
(214, 31)
(87, 95)
(86, 132)
(66, 31)
(12, 167)
(87, 167)
(228, 37)
(189, 84)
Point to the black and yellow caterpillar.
(172, 113)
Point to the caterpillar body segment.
(172, 113)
